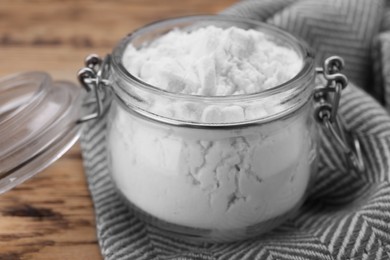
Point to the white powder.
(212, 61)
(217, 179)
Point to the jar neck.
(175, 108)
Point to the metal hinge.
(327, 99)
(93, 77)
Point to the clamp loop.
(327, 102)
(92, 79)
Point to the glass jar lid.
(38, 124)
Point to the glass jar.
(201, 180)
(214, 181)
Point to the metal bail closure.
(327, 99)
(93, 77)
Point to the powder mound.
(211, 61)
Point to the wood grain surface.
(51, 216)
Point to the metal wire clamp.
(327, 99)
(93, 77)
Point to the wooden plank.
(51, 216)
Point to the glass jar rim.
(304, 50)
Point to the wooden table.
(51, 216)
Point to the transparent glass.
(214, 181)
(37, 124)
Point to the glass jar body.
(215, 185)
(218, 181)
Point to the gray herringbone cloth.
(347, 215)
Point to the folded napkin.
(347, 214)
